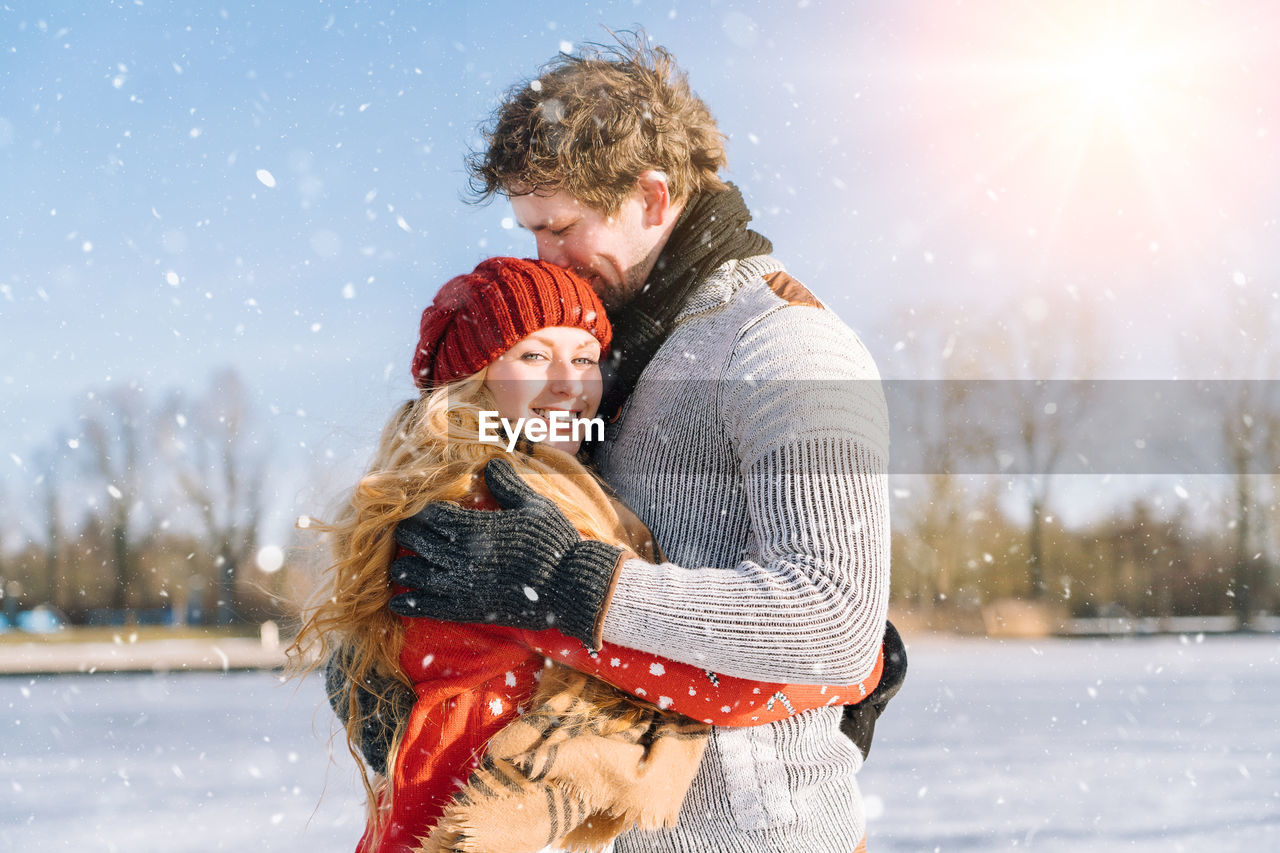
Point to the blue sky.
(278, 188)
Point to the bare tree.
(1240, 364)
(115, 433)
(931, 411)
(1047, 351)
(8, 592)
(1250, 410)
(49, 462)
(220, 465)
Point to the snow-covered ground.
(177, 762)
(1155, 744)
(1159, 744)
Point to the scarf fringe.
(584, 765)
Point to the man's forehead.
(535, 210)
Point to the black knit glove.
(382, 703)
(523, 566)
(859, 721)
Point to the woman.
(523, 339)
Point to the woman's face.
(553, 369)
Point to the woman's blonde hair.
(429, 451)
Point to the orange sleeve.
(721, 700)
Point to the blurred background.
(220, 225)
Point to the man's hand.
(523, 566)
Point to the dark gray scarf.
(711, 230)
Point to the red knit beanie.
(478, 316)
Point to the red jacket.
(472, 680)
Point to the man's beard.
(634, 282)
(619, 296)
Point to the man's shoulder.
(766, 288)
(756, 316)
(797, 368)
(789, 289)
(747, 288)
(784, 305)
(789, 332)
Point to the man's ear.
(655, 195)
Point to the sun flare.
(1113, 77)
(1095, 78)
(1094, 122)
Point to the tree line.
(145, 512)
(992, 453)
(1014, 427)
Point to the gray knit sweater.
(755, 446)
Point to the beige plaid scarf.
(585, 764)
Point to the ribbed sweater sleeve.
(802, 405)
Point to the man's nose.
(551, 250)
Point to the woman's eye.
(532, 356)
(586, 360)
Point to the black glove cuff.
(585, 579)
(859, 721)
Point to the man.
(748, 431)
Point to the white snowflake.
(657, 669)
(495, 707)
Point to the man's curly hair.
(591, 122)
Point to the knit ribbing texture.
(476, 317)
(755, 446)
